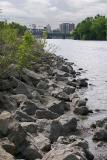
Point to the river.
(92, 57)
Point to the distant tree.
(91, 29)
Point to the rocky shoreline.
(40, 113)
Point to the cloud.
(54, 12)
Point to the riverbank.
(42, 113)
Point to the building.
(67, 27)
(48, 28)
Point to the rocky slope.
(40, 110)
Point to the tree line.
(92, 28)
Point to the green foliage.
(91, 29)
(25, 51)
(18, 47)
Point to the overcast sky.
(42, 12)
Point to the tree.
(91, 29)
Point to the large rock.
(69, 148)
(65, 152)
(50, 129)
(8, 84)
(69, 123)
(42, 85)
(5, 122)
(31, 152)
(23, 88)
(30, 127)
(17, 135)
(69, 90)
(41, 114)
(59, 107)
(61, 96)
(23, 117)
(82, 83)
(8, 146)
(4, 155)
(81, 111)
(100, 135)
(29, 107)
(34, 77)
(43, 143)
(7, 103)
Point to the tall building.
(48, 28)
(66, 27)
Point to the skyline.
(51, 12)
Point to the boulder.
(51, 129)
(8, 84)
(100, 135)
(23, 88)
(59, 107)
(31, 152)
(43, 143)
(81, 111)
(4, 155)
(41, 114)
(23, 117)
(17, 135)
(42, 85)
(82, 83)
(7, 103)
(29, 107)
(19, 98)
(69, 123)
(69, 90)
(63, 96)
(5, 121)
(30, 127)
(34, 77)
(8, 146)
(65, 152)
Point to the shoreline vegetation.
(92, 28)
(41, 111)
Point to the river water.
(92, 57)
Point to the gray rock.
(100, 135)
(59, 107)
(17, 135)
(31, 152)
(8, 84)
(68, 123)
(41, 114)
(4, 155)
(19, 98)
(34, 77)
(5, 121)
(65, 152)
(23, 88)
(30, 127)
(23, 117)
(29, 107)
(6, 103)
(50, 129)
(82, 83)
(8, 146)
(81, 111)
(43, 143)
(69, 90)
(42, 85)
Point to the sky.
(54, 12)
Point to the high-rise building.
(48, 28)
(66, 27)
